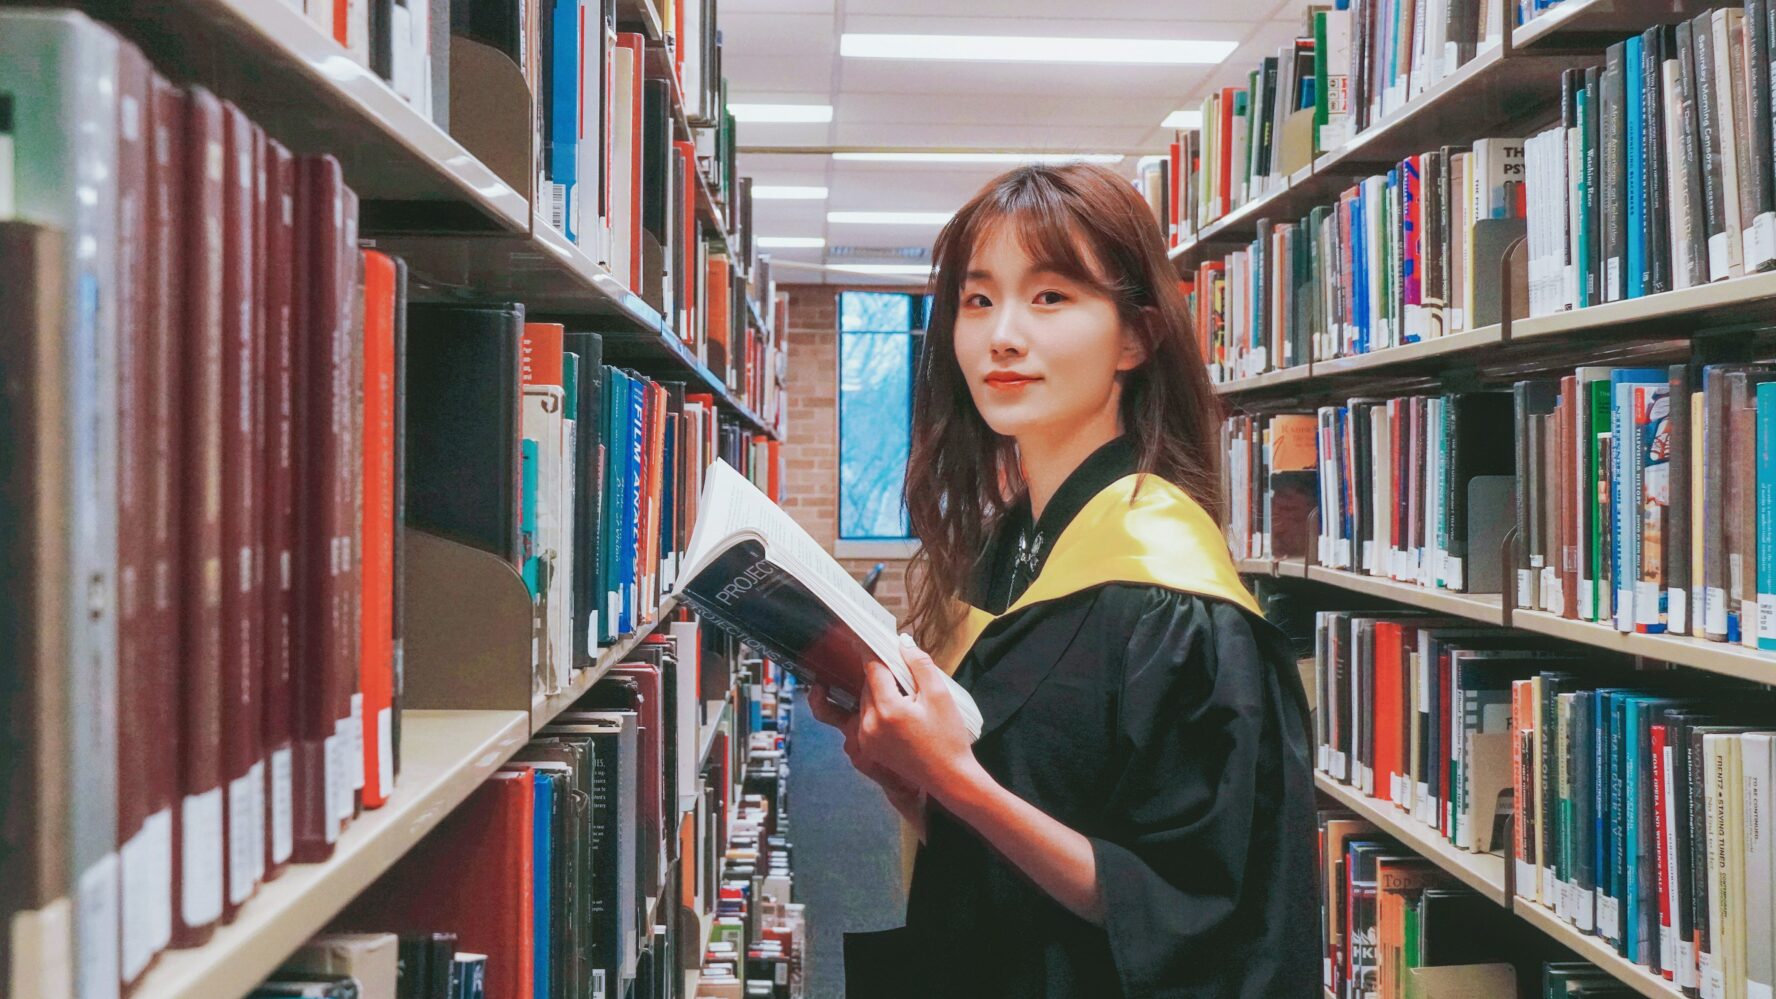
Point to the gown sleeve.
(1196, 870)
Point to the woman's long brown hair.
(1088, 224)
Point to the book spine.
(1766, 515)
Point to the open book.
(751, 570)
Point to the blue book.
(563, 152)
(1766, 515)
(1582, 251)
(1618, 829)
(1633, 942)
(617, 476)
(1625, 490)
(1359, 274)
(1602, 714)
(527, 517)
(1652, 458)
(543, 810)
(1633, 285)
(632, 543)
(669, 497)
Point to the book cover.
(376, 668)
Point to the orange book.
(1389, 706)
(376, 668)
(719, 316)
(1399, 881)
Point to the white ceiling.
(786, 51)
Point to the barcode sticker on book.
(200, 901)
(1552, 598)
(1587, 910)
(1646, 602)
(1613, 282)
(240, 840)
(330, 770)
(1523, 589)
(1686, 963)
(1609, 924)
(1454, 565)
(95, 925)
(1526, 879)
(557, 200)
(355, 730)
(144, 867)
(1717, 257)
(1760, 242)
(282, 805)
(1766, 617)
(385, 751)
(1587, 597)
(1677, 606)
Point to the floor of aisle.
(847, 851)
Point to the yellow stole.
(1138, 529)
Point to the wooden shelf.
(266, 56)
(445, 755)
(1268, 380)
(1595, 950)
(667, 349)
(1411, 355)
(1739, 302)
(1590, 25)
(1487, 608)
(1483, 872)
(1697, 653)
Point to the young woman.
(1136, 818)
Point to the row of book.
(584, 476)
(1397, 926)
(406, 43)
(1666, 532)
(203, 512)
(1401, 257)
(577, 868)
(1635, 811)
(1417, 488)
(1354, 64)
(1658, 175)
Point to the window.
(879, 338)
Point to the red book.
(197, 860)
(144, 829)
(350, 417)
(244, 810)
(689, 317)
(376, 638)
(472, 876)
(321, 394)
(1388, 706)
(1662, 886)
(278, 504)
(1445, 777)
(1224, 169)
(1174, 224)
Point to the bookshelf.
(445, 755)
(544, 707)
(1483, 872)
(1487, 608)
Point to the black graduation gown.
(1168, 728)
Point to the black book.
(1266, 111)
(382, 39)
(1760, 186)
(463, 424)
(1657, 45)
(610, 738)
(1676, 549)
(1592, 146)
(1690, 171)
(1481, 453)
(399, 630)
(1532, 399)
(1457, 926)
(589, 444)
(495, 23)
(656, 153)
(1710, 105)
(1614, 202)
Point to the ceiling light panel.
(1011, 48)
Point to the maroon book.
(244, 809)
(278, 503)
(325, 646)
(197, 860)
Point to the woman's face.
(1040, 351)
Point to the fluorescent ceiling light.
(803, 113)
(1183, 119)
(769, 192)
(913, 270)
(984, 157)
(890, 218)
(791, 242)
(1006, 48)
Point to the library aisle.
(433, 431)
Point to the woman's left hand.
(919, 736)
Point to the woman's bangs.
(1048, 234)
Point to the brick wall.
(812, 441)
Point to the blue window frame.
(880, 334)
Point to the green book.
(1597, 497)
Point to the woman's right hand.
(908, 800)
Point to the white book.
(542, 419)
(624, 134)
(753, 571)
(1677, 188)
(1724, 24)
(687, 647)
(1756, 750)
